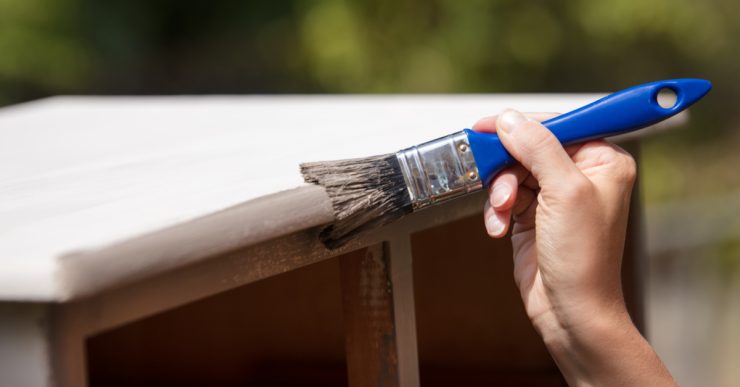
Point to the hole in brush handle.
(666, 98)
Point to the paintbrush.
(373, 191)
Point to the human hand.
(570, 208)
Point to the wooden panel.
(471, 324)
(404, 309)
(282, 330)
(68, 359)
(286, 330)
(372, 357)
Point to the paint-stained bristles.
(365, 193)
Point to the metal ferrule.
(439, 170)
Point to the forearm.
(606, 351)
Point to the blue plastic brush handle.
(623, 111)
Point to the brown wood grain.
(286, 330)
(471, 325)
(367, 300)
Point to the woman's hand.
(570, 208)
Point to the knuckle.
(627, 168)
(577, 189)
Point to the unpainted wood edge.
(368, 315)
(68, 332)
(404, 308)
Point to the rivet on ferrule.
(439, 170)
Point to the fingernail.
(494, 226)
(510, 119)
(500, 195)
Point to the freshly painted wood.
(246, 224)
(87, 181)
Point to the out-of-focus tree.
(41, 50)
(142, 46)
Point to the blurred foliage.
(406, 46)
(727, 253)
(170, 46)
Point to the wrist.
(583, 324)
(605, 350)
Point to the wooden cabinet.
(184, 251)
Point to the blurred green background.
(690, 176)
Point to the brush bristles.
(365, 193)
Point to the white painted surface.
(81, 174)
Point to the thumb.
(535, 147)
